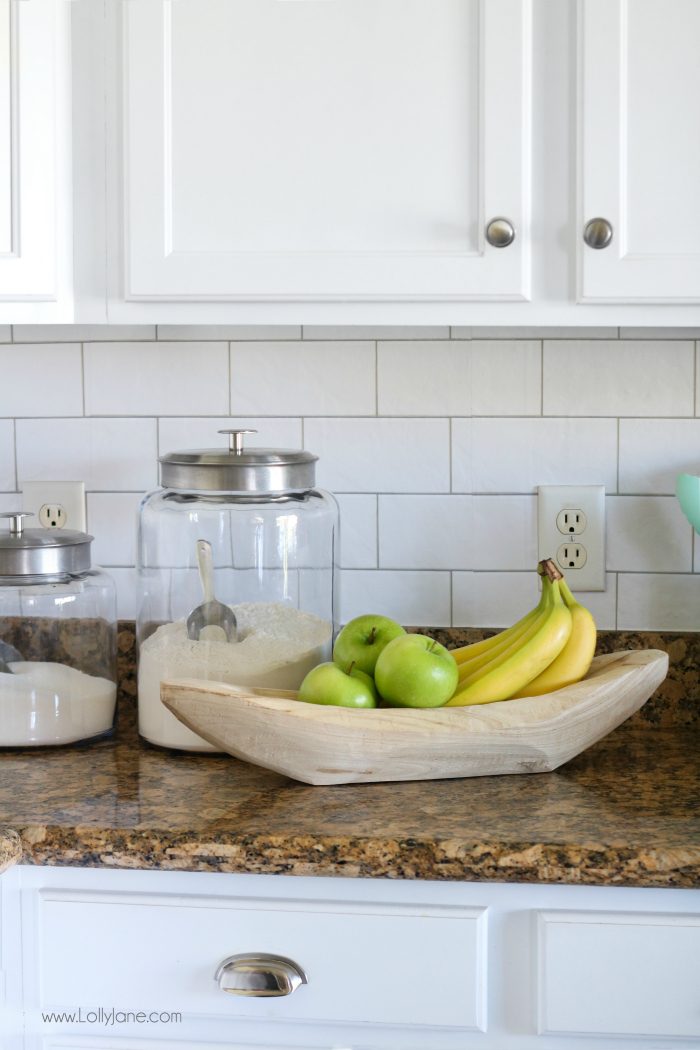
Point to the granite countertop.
(625, 812)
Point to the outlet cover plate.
(68, 494)
(551, 500)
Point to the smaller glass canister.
(58, 638)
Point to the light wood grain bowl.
(319, 744)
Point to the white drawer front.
(373, 963)
(607, 973)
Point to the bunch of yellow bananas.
(549, 648)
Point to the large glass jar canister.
(58, 638)
(248, 528)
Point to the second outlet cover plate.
(571, 531)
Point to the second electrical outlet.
(571, 530)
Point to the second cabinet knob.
(598, 233)
(500, 233)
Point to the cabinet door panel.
(353, 149)
(28, 147)
(607, 973)
(640, 149)
(365, 963)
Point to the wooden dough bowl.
(320, 744)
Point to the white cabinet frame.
(35, 209)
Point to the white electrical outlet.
(571, 531)
(55, 504)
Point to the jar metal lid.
(42, 552)
(239, 469)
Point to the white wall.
(434, 441)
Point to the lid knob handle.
(235, 438)
(16, 522)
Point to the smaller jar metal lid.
(41, 552)
(239, 469)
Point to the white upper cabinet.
(640, 149)
(324, 151)
(342, 161)
(35, 212)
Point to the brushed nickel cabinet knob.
(500, 233)
(259, 974)
(598, 233)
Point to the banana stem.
(548, 568)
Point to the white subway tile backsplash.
(433, 439)
(654, 451)
(360, 331)
(603, 604)
(658, 602)
(8, 481)
(426, 532)
(647, 534)
(80, 333)
(10, 501)
(499, 599)
(358, 531)
(505, 532)
(642, 378)
(107, 454)
(423, 378)
(457, 532)
(492, 599)
(415, 599)
(41, 380)
(151, 379)
(517, 455)
(203, 432)
(459, 378)
(314, 379)
(380, 455)
(506, 377)
(196, 332)
(112, 518)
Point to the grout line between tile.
(230, 373)
(14, 442)
(376, 529)
(82, 373)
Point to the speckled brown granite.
(10, 848)
(626, 812)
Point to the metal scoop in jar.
(211, 613)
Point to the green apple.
(362, 640)
(328, 683)
(415, 671)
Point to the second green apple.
(361, 641)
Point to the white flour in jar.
(50, 703)
(277, 645)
